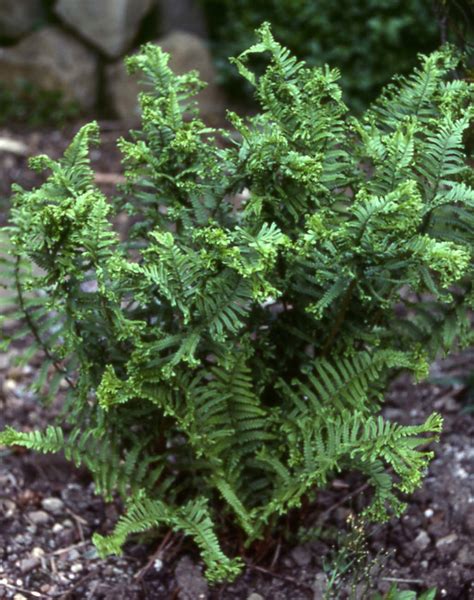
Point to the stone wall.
(76, 47)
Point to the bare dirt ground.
(48, 509)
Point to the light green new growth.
(229, 357)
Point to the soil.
(48, 509)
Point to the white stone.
(53, 505)
(77, 568)
(422, 541)
(158, 564)
(446, 540)
(110, 25)
(38, 517)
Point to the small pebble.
(301, 556)
(76, 568)
(19, 597)
(38, 517)
(466, 556)
(91, 553)
(446, 540)
(37, 552)
(470, 522)
(255, 596)
(429, 512)
(8, 508)
(28, 564)
(73, 555)
(158, 564)
(320, 586)
(53, 505)
(57, 528)
(422, 540)
(9, 385)
(447, 403)
(4, 360)
(23, 539)
(189, 578)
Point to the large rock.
(110, 25)
(187, 52)
(18, 17)
(52, 60)
(182, 15)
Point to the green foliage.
(229, 356)
(368, 40)
(395, 594)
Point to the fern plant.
(230, 355)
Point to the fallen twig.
(343, 500)
(155, 556)
(398, 580)
(66, 549)
(109, 178)
(16, 588)
(79, 521)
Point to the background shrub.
(369, 40)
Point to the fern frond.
(416, 94)
(339, 384)
(229, 412)
(192, 519)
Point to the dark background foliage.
(369, 40)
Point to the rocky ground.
(48, 510)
